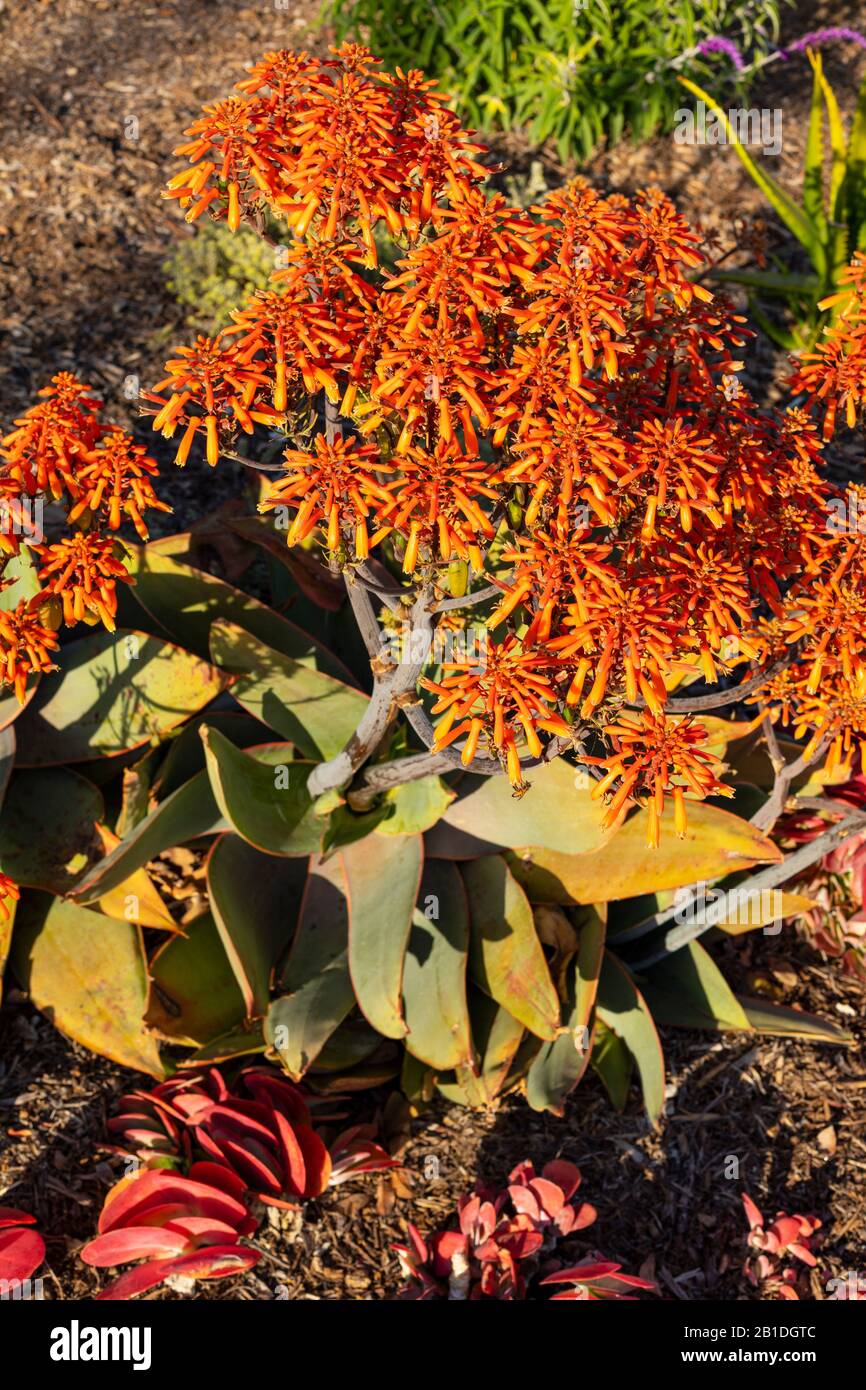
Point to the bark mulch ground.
(93, 96)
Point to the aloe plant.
(828, 221)
(447, 933)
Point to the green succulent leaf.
(496, 1035)
(255, 901)
(88, 974)
(434, 972)
(48, 828)
(114, 692)
(612, 1062)
(188, 813)
(688, 990)
(194, 996)
(491, 816)
(243, 1041)
(622, 1008)
(560, 1064)
(416, 806)
(266, 802)
(506, 957)
(311, 709)
(186, 602)
(318, 988)
(383, 877)
(779, 1020)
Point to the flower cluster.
(505, 1239)
(61, 454)
(549, 397)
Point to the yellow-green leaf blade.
(88, 974)
(506, 956)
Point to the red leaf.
(219, 1175)
(130, 1199)
(10, 1216)
(294, 1167)
(317, 1161)
(134, 1243)
(21, 1251)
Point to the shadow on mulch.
(780, 1119)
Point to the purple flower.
(726, 46)
(821, 36)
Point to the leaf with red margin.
(21, 1251)
(216, 1175)
(134, 1243)
(294, 1165)
(214, 1262)
(317, 1161)
(132, 1197)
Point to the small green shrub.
(212, 271)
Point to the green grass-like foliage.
(572, 71)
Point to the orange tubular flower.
(665, 243)
(8, 889)
(551, 570)
(25, 649)
(83, 571)
(834, 720)
(570, 298)
(654, 757)
(231, 158)
(835, 373)
(297, 340)
(683, 464)
(435, 503)
(222, 381)
(621, 636)
(506, 693)
(115, 480)
(41, 453)
(570, 453)
(710, 602)
(481, 254)
(336, 486)
(431, 372)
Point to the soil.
(93, 95)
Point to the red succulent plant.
(171, 1225)
(22, 1249)
(259, 1131)
(770, 1245)
(504, 1237)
